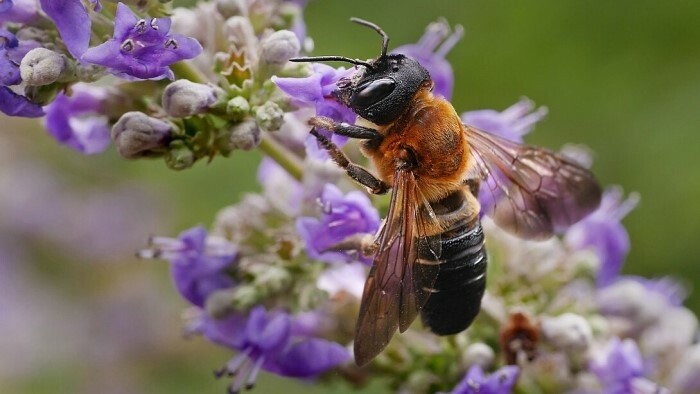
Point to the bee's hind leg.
(365, 243)
(356, 172)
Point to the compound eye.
(372, 92)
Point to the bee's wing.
(398, 284)
(532, 192)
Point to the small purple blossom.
(430, 52)
(342, 217)
(199, 262)
(512, 123)
(142, 49)
(77, 121)
(11, 53)
(620, 369)
(602, 232)
(268, 341)
(316, 90)
(499, 382)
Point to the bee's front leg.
(365, 178)
(346, 129)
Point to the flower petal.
(72, 21)
(13, 104)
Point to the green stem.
(286, 159)
(184, 70)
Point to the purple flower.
(342, 217)
(142, 49)
(199, 262)
(316, 90)
(268, 341)
(499, 382)
(77, 121)
(72, 21)
(512, 123)
(620, 368)
(19, 11)
(430, 52)
(602, 232)
(11, 54)
(283, 191)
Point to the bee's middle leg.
(356, 172)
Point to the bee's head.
(384, 89)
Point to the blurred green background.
(621, 77)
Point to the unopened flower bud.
(479, 354)
(685, 377)
(179, 156)
(279, 47)
(420, 381)
(237, 108)
(269, 116)
(137, 135)
(229, 8)
(568, 331)
(42, 66)
(219, 304)
(245, 297)
(245, 136)
(273, 278)
(184, 98)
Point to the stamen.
(171, 42)
(241, 378)
(451, 41)
(254, 373)
(148, 254)
(154, 24)
(128, 45)
(233, 367)
(434, 34)
(140, 26)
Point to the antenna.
(373, 26)
(385, 47)
(330, 59)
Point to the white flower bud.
(229, 8)
(184, 98)
(219, 304)
(478, 354)
(240, 32)
(686, 373)
(279, 47)
(42, 66)
(137, 135)
(237, 108)
(245, 136)
(179, 156)
(568, 331)
(269, 116)
(630, 300)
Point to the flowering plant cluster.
(264, 281)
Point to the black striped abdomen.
(456, 294)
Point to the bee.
(429, 255)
